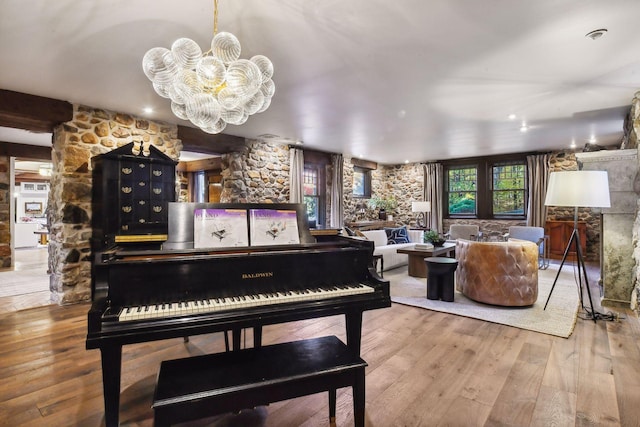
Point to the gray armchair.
(535, 235)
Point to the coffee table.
(417, 266)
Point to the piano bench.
(204, 386)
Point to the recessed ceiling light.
(512, 116)
(406, 162)
(147, 110)
(573, 143)
(596, 34)
(524, 127)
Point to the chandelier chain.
(215, 17)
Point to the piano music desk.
(203, 386)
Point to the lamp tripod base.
(575, 239)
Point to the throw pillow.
(397, 235)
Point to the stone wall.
(401, 182)
(89, 133)
(349, 202)
(5, 212)
(630, 141)
(405, 184)
(256, 173)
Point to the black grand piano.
(144, 294)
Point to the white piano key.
(181, 308)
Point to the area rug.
(558, 319)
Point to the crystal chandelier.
(213, 88)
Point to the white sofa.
(392, 259)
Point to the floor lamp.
(421, 208)
(587, 189)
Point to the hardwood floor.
(425, 369)
(27, 261)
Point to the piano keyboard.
(242, 301)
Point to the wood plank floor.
(425, 369)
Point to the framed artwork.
(33, 207)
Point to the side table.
(440, 278)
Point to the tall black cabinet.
(131, 194)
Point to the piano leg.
(354, 331)
(257, 337)
(332, 407)
(235, 335)
(111, 369)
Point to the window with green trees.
(311, 192)
(462, 190)
(508, 189)
(486, 187)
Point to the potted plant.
(383, 205)
(433, 237)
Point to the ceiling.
(392, 81)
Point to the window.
(486, 188)
(462, 190)
(313, 188)
(508, 193)
(361, 182)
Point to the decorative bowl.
(439, 242)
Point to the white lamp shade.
(578, 189)
(420, 206)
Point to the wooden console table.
(370, 225)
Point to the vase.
(382, 214)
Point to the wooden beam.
(364, 164)
(214, 163)
(35, 152)
(197, 141)
(40, 114)
(31, 112)
(30, 177)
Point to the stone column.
(6, 255)
(90, 133)
(616, 249)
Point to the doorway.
(26, 284)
